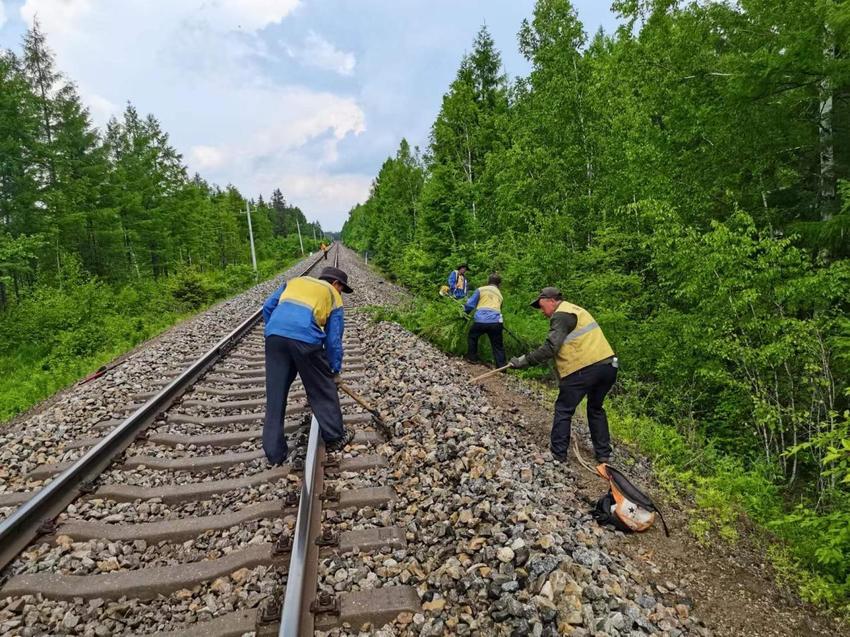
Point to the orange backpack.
(625, 506)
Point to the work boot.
(285, 457)
(340, 443)
(603, 460)
(562, 459)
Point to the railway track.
(453, 522)
(172, 522)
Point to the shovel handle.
(492, 372)
(357, 398)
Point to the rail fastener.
(331, 462)
(48, 526)
(329, 537)
(326, 604)
(283, 546)
(330, 495)
(270, 611)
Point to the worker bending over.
(304, 325)
(487, 303)
(457, 282)
(586, 367)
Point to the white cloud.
(230, 15)
(329, 190)
(291, 143)
(100, 108)
(204, 157)
(316, 51)
(55, 16)
(202, 68)
(2, 14)
(331, 195)
(248, 14)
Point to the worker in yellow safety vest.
(486, 301)
(457, 282)
(586, 367)
(324, 247)
(305, 322)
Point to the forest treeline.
(685, 178)
(104, 236)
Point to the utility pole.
(298, 225)
(251, 237)
(314, 233)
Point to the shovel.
(492, 372)
(359, 399)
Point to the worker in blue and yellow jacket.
(486, 301)
(304, 325)
(457, 282)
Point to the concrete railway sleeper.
(174, 507)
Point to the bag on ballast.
(625, 507)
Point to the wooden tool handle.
(491, 373)
(357, 398)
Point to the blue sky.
(306, 95)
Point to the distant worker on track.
(304, 326)
(457, 282)
(586, 367)
(324, 247)
(487, 303)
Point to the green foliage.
(682, 179)
(117, 202)
(187, 288)
(104, 239)
(53, 337)
(808, 548)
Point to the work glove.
(519, 362)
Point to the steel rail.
(26, 523)
(295, 614)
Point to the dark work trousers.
(494, 333)
(286, 357)
(594, 382)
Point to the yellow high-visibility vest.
(319, 296)
(489, 297)
(460, 281)
(584, 346)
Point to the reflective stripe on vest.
(576, 333)
(490, 298)
(584, 346)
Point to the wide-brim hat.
(330, 275)
(547, 293)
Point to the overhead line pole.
(298, 225)
(251, 237)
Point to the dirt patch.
(732, 587)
